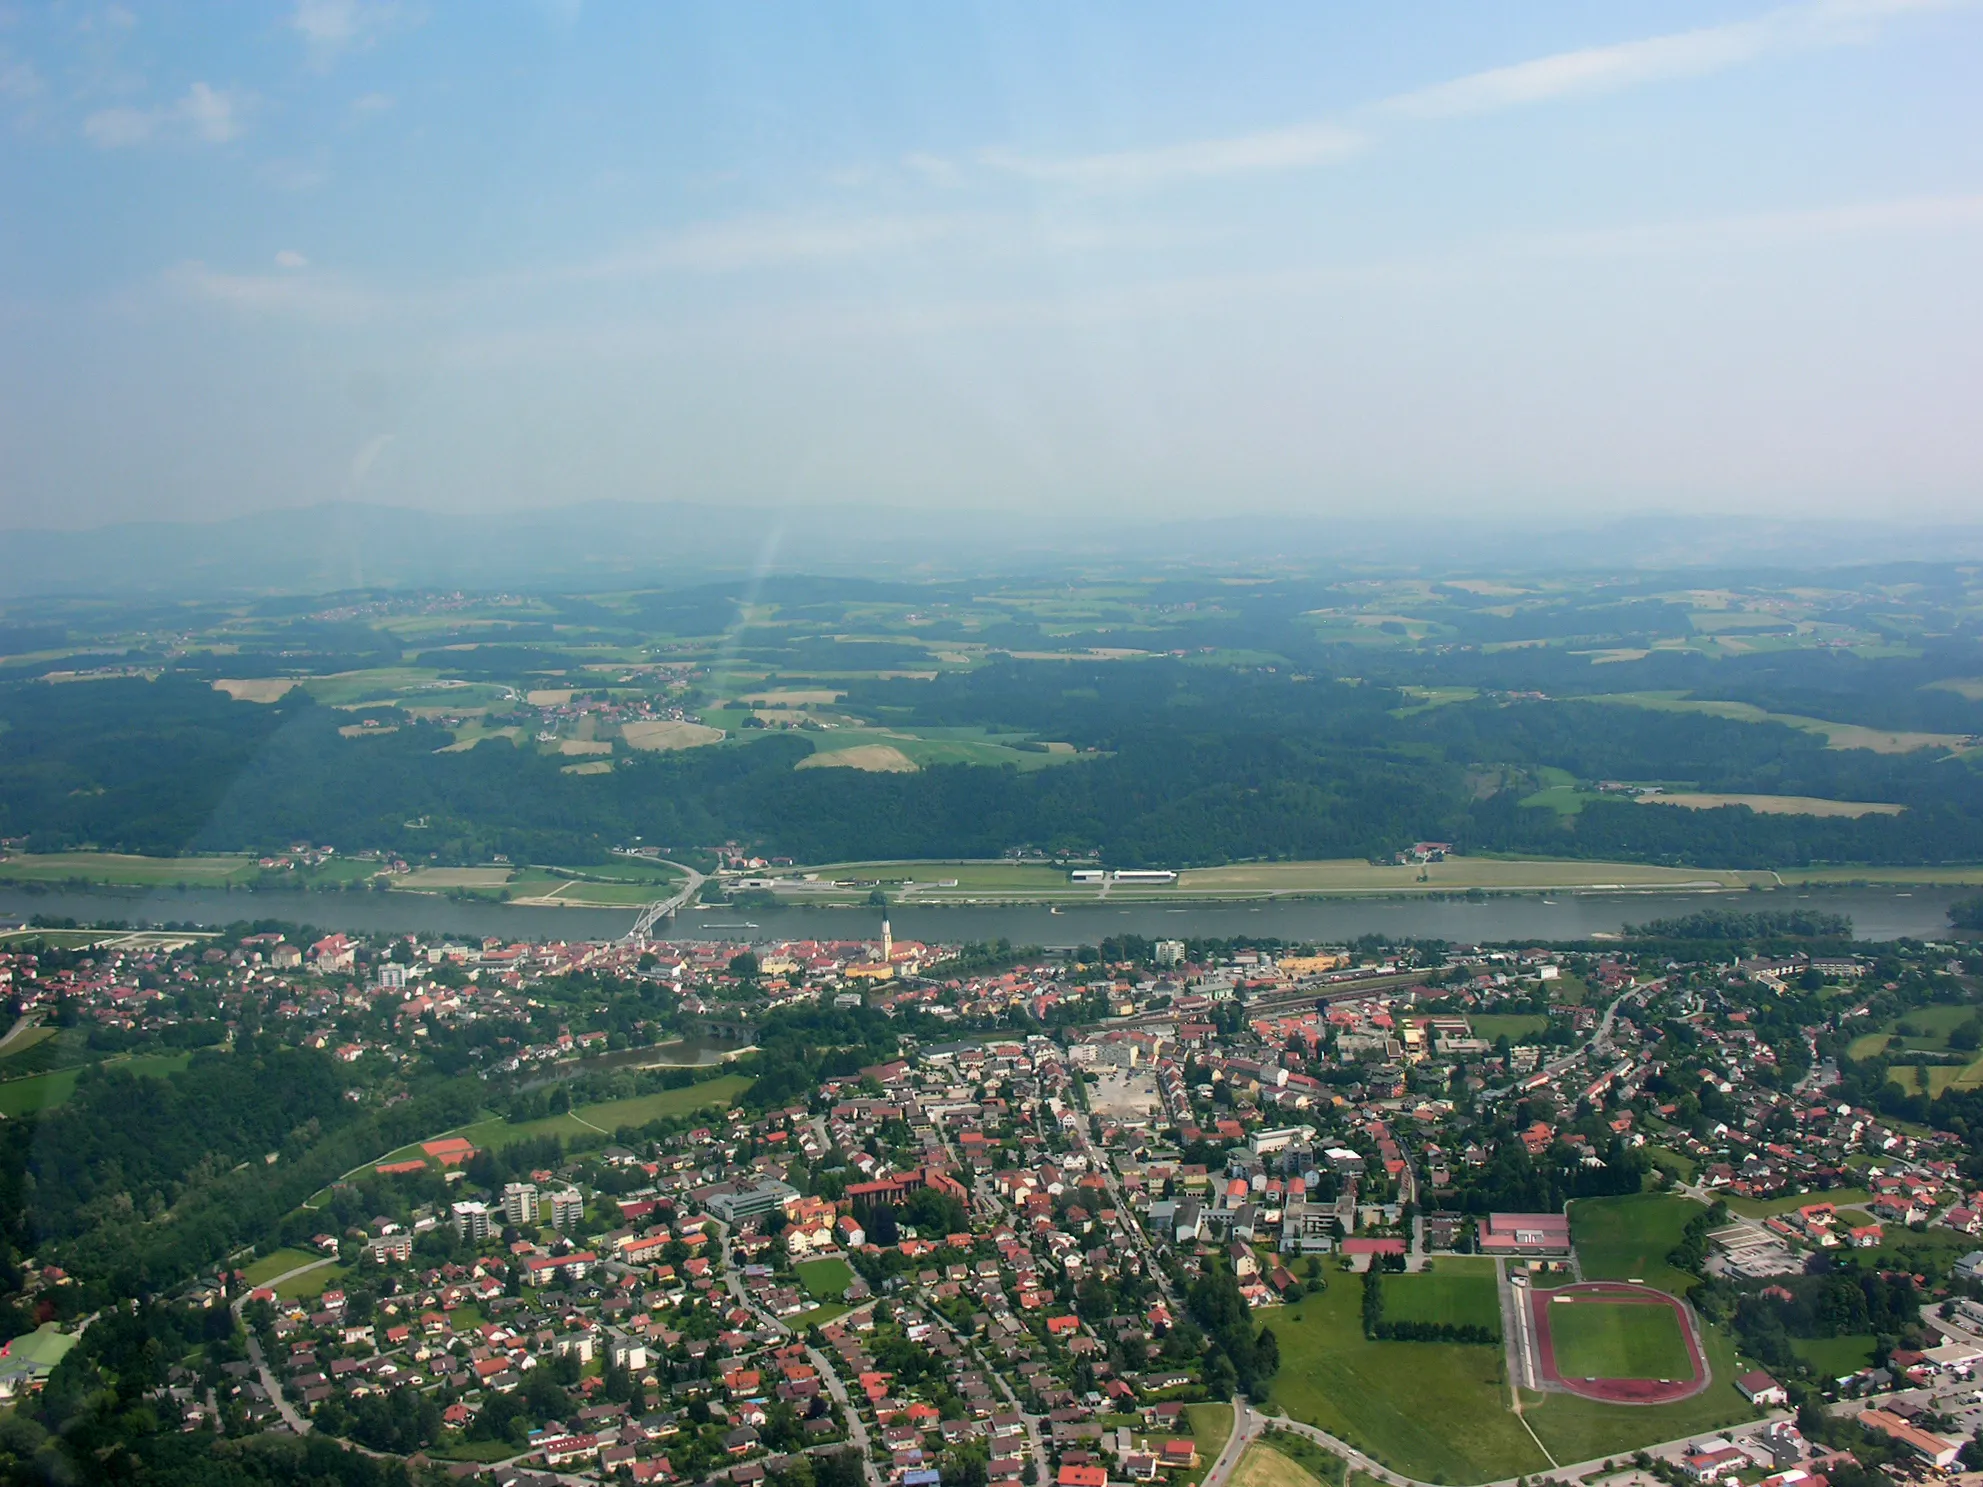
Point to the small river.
(1876, 913)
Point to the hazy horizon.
(1119, 266)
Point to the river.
(1876, 913)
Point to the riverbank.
(1877, 914)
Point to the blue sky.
(1138, 260)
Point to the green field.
(1315, 1462)
(1450, 1295)
(1259, 880)
(1577, 1429)
(1211, 1424)
(121, 870)
(1835, 1357)
(1433, 1410)
(589, 1121)
(1617, 1340)
(29, 1036)
(825, 1280)
(1628, 1238)
(278, 1262)
(1514, 1025)
(1757, 1208)
(46, 1091)
(1835, 735)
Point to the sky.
(1412, 262)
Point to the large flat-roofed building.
(1525, 1234)
(751, 1200)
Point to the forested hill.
(1181, 763)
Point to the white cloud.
(934, 169)
(330, 28)
(1680, 54)
(19, 82)
(206, 114)
(724, 247)
(1586, 72)
(1903, 214)
(291, 295)
(372, 103)
(1293, 148)
(289, 258)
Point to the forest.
(1210, 719)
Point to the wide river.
(1876, 913)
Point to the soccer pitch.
(1617, 1340)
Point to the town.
(901, 1214)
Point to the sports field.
(1461, 1297)
(1617, 1340)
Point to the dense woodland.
(1187, 764)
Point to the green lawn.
(1577, 1429)
(1628, 1238)
(1757, 1208)
(1436, 1411)
(1516, 1025)
(1211, 1424)
(1444, 1296)
(1326, 1466)
(46, 1091)
(1835, 1357)
(1668, 1160)
(28, 1038)
(1617, 1340)
(278, 1262)
(825, 1280)
(589, 1121)
(311, 1284)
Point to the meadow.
(46, 1091)
(588, 1122)
(1628, 1238)
(1459, 1292)
(1432, 1410)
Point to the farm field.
(1316, 1464)
(440, 879)
(1454, 874)
(1628, 1238)
(824, 1280)
(1617, 1340)
(1836, 735)
(1449, 1294)
(669, 735)
(121, 870)
(1775, 805)
(1432, 1410)
(1941, 877)
(871, 758)
(1263, 1466)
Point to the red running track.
(1617, 1391)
